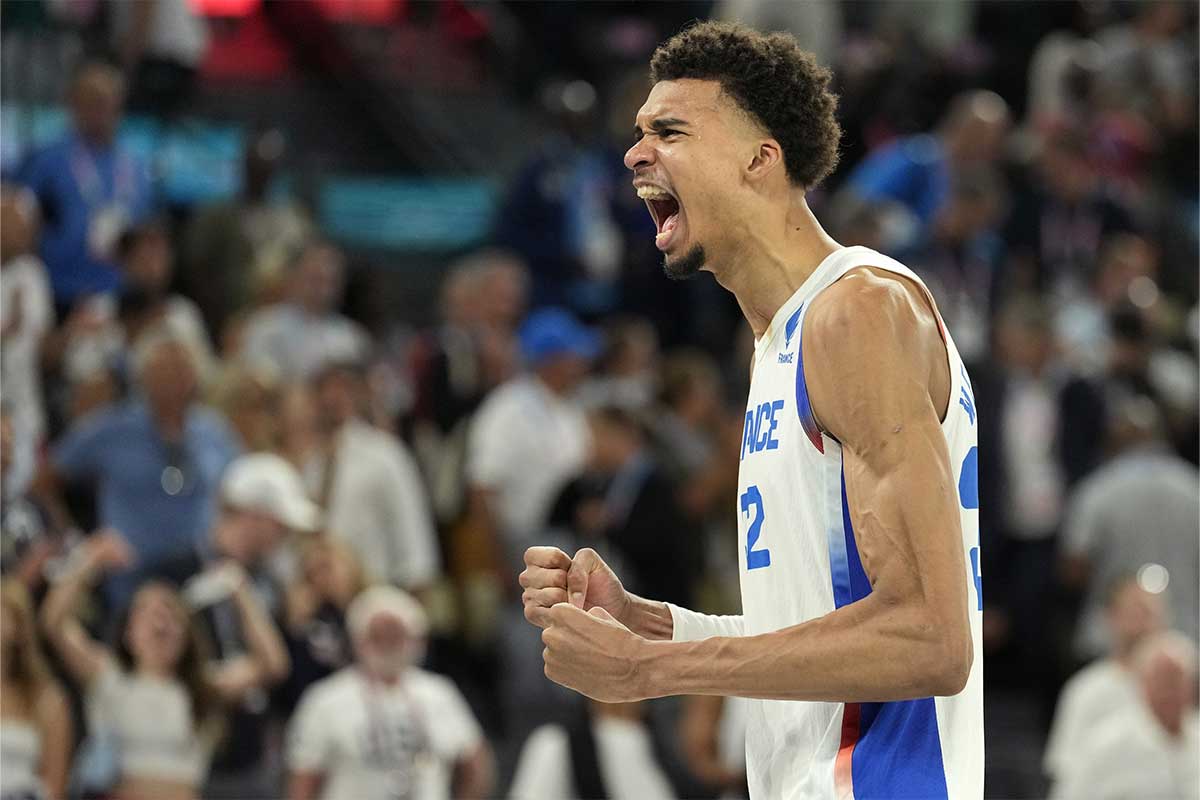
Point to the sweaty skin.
(878, 379)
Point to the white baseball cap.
(265, 483)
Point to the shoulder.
(433, 684)
(333, 689)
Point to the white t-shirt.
(298, 344)
(378, 504)
(372, 741)
(151, 723)
(526, 443)
(624, 751)
(25, 303)
(20, 754)
(1130, 757)
(1096, 693)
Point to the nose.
(640, 155)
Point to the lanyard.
(385, 740)
(91, 186)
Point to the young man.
(858, 497)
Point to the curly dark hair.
(772, 79)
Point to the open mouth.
(665, 210)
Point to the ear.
(768, 157)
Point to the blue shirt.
(76, 184)
(911, 171)
(161, 501)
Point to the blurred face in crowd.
(1168, 686)
(317, 279)
(562, 373)
(338, 396)
(332, 571)
(147, 264)
(1133, 613)
(168, 377)
(1067, 170)
(1024, 341)
(385, 648)
(249, 535)
(18, 220)
(96, 101)
(157, 632)
(503, 289)
(693, 143)
(613, 443)
(976, 127)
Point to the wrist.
(650, 619)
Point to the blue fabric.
(550, 332)
(67, 215)
(911, 171)
(120, 449)
(968, 480)
(898, 753)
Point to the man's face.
(96, 105)
(318, 280)
(691, 145)
(169, 377)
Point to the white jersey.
(799, 561)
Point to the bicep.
(83, 657)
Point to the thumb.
(599, 613)
(577, 576)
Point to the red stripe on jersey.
(843, 778)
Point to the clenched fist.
(585, 581)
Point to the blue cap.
(554, 331)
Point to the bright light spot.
(1153, 578)
(1143, 291)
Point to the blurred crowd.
(255, 547)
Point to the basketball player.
(860, 639)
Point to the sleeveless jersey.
(799, 561)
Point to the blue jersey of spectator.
(912, 171)
(160, 495)
(88, 193)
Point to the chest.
(151, 468)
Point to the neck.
(169, 421)
(150, 670)
(773, 261)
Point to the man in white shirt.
(1106, 687)
(610, 750)
(305, 332)
(370, 486)
(1149, 749)
(383, 727)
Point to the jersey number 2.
(755, 559)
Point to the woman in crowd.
(154, 699)
(35, 722)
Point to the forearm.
(866, 651)
(262, 637)
(650, 619)
(59, 607)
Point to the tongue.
(669, 223)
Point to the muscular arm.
(878, 382)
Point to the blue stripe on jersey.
(898, 753)
(807, 421)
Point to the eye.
(667, 133)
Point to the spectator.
(713, 732)
(27, 538)
(161, 44)
(914, 173)
(251, 400)
(369, 485)
(331, 576)
(628, 371)
(233, 249)
(517, 424)
(305, 332)
(89, 187)
(155, 460)
(36, 730)
(1139, 509)
(26, 316)
(691, 397)
(1150, 748)
(262, 502)
(1106, 686)
(385, 727)
(152, 697)
(608, 750)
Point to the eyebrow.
(662, 123)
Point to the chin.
(688, 265)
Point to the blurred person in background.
(304, 332)
(262, 504)
(26, 316)
(330, 577)
(690, 395)
(232, 249)
(913, 175)
(1150, 748)
(713, 732)
(1107, 685)
(37, 733)
(155, 461)
(605, 750)
(1139, 511)
(28, 539)
(627, 372)
(369, 484)
(251, 400)
(89, 188)
(154, 698)
(384, 727)
(160, 44)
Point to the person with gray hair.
(1151, 748)
(384, 727)
(155, 460)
